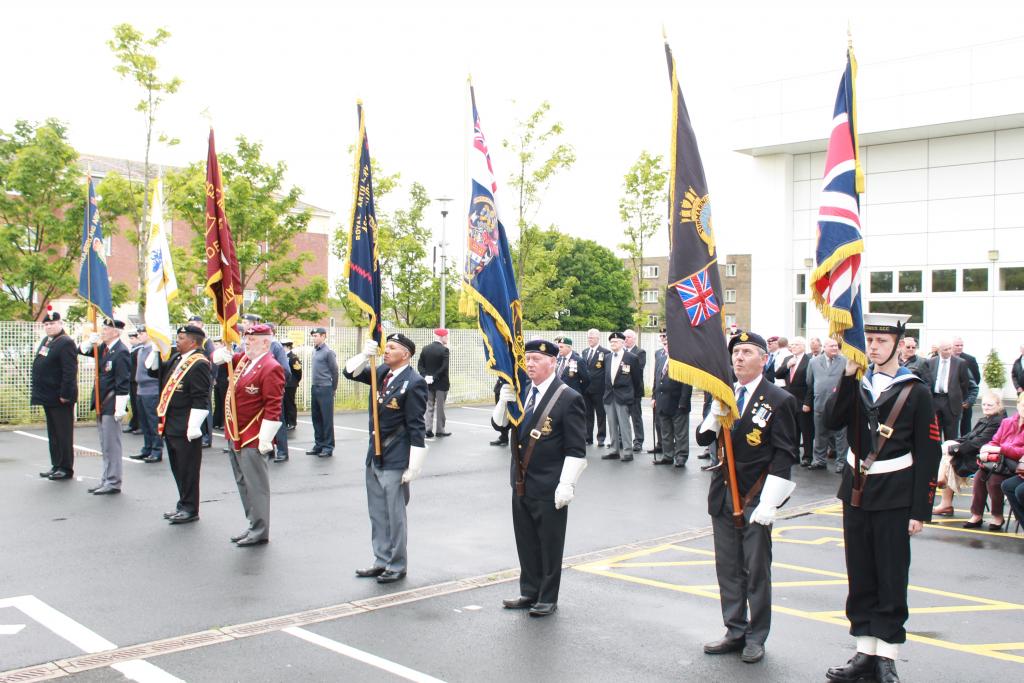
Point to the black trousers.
(594, 406)
(805, 425)
(540, 540)
(949, 416)
(657, 427)
(291, 411)
(133, 399)
(219, 394)
(186, 458)
(965, 419)
(636, 416)
(878, 570)
(60, 428)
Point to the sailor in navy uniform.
(765, 448)
(896, 492)
(548, 456)
(401, 403)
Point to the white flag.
(161, 286)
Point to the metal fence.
(470, 380)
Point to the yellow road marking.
(686, 563)
(778, 535)
(939, 524)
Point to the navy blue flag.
(489, 283)
(93, 280)
(361, 268)
(694, 321)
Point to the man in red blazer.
(252, 416)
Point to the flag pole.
(734, 487)
(91, 307)
(374, 403)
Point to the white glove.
(267, 431)
(417, 454)
(506, 394)
(355, 364)
(222, 355)
(87, 344)
(572, 468)
(120, 407)
(775, 492)
(710, 423)
(718, 409)
(429, 379)
(153, 359)
(195, 423)
(370, 348)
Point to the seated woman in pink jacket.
(1008, 441)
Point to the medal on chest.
(761, 412)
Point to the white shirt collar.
(397, 371)
(542, 388)
(750, 386)
(187, 354)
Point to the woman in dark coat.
(959, 456)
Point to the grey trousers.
(823, 438)
(743, 563)
(386, 497)
(435, 406)
(253, 481)
(636, 416)
(110, 446)
(620, 433)
(675, 436)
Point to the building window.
(974, 280)
(1011, 279)
(649, 296)
(910, 282)
(801, 284)
(650, 272)
(914, 308)
(944, 280)
(730, 270)
(801, 318)
(881, 282)
(652, 320)
(730, 296)
(730, 320)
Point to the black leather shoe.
(168, 515)
(627, 458)
(281, 457)
(817, 466)
(499, 442)
(247, 541)
(105, 491)
(429, 435)
(140, 456)
(370, 572)
(885, 670)
(610, 456)
(153, 458)
(207, 444)
(662, 461)
(46, 474)
(860, 666)
(522, 602)
(724, 646)
(654, 450)
(313, 451)
(388, 576)
(93, 489)
(967, 525)
(752, 653)
(638, 448)
(704, 456)
(444, 434)
(325, 454)
(238, 537)
(543, 609)
(59, 475)
(182, 518)
(680, 462)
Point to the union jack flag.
(698, 297)
(836, 280)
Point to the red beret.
(260, 329)
(441, 332)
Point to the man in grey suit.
(823, 375)
(623, 382)
(951, 387)
(635, 414)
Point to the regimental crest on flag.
(696, 209)
(698, 297)
(483, 233)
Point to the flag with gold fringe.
(161, 284)
(223, 278)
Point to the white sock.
(887, 650)
(867, 644)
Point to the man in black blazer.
(672, 411)
(636, 415)
(793, 374)
(55, 388)
(433, 367)
(951, 387)
(975, 374)
(548, 456)
(595, 357)
(181, 410)
(765, 448)
(570, 368)
(114, 369)
(623, 382)
(660, 364)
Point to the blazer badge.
(393, 404)
(754, 437)
(625, 369)
(546, 429)
(252, 389)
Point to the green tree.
(546, 292)
(994, 373)
(264, 221)
(642, 209)
(136, 56)
(41, 206)
(601, 294)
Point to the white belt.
(885, 466)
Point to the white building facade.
(942, 146)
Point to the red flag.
(223, 280)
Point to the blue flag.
(361, 268)
(489, 282)
(93, 281)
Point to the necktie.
(741, 399)
(528, 414)
(387, 380)
(792, 372)
(561, 364)
(943, 383)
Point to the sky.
(289, 74)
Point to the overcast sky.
(288, 74)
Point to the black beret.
(400, 338)
(616, 335)
(51, 316)
(318, 330)
(541, 346)
(195, 319)
(119, 324)
(191, 329)
(287, 342)
(748, 338)
(252, 317)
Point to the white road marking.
(43, 438)
(338, 426)
(482, 410)
(475, 425)
(365, 657)
(10, 629)
(85, 639)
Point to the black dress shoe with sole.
(313, 451)
(522, 602)
(152, 458)
(105, 491)
(388, 576)
(325, 454)
(182, 518)
(543, 609)
(973, 525)
(626, 458)
(238, 537)
(140, 456)
(752, 653)
(499, 442)
(444, 434)
(885, 670)
(724, 646)
(280, 458)
(429, 435)
(860, 666)
(59, 475)
(681, 462)
(246, 542)
(168, 515)
(370, 572)
(610, 456)
(46, 474)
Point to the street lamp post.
(444, 286)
